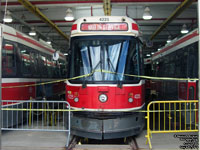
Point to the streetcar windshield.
(105, 58)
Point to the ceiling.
(55, 10)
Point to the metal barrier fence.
(34, 115)
(171, 117)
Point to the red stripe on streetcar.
(18, 35)
(177, 43)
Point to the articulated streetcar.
(26, 61)
(104, 52)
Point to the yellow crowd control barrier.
(105, 71)
(171, 117)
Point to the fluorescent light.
(23, 51)
(147, 15)
(148, 55)
(65, 54)
(49, 42)
(69, 15)
(168, 41)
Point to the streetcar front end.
(104, 87)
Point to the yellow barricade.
(171, 117)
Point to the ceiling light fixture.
(7, 18)
(184, 29)
(169, 39)
(69, 15)
(148, 55)
(48, 41)
(32, 32)
(147, 15)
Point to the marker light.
(76, 99)
(130, 100)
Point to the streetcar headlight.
(130, 100)
(103, 98)
(76, 99)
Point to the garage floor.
(26, 140)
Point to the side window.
(63, 70)
(56, 71)
(26, 61)
(181, 63)
(193, 61)
(8, 59)
(178, 66)
(34, 64)
(49, 67)
(184, 64)
(43, 65)
(172, 64)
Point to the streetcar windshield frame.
(105, 59)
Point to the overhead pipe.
(38, 13)
(70, 2)
(177, 12)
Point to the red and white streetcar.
(108, 101)
(178, 59)
(26, 61)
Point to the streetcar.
(26, 63)
(178, 59)
(107, 101)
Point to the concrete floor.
(162, 141)
(26, 140)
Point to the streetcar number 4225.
(104, 19)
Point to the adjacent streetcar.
(26, 61)
(108, 100)
(178, 59)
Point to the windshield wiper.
(119, 83)
(84, 85)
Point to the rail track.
(77, 143)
